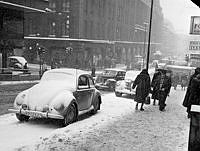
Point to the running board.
(85, 111)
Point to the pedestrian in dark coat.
(142, 82)
(175, 80)
(194, 98)
(164, 89)
(155, 86)
(184, 81)
(186, 101)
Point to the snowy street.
(117, 126)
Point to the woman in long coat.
(142, 82)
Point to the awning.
(88, 40)
(19, 7)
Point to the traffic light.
(68, 50)
(41, 50)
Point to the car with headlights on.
(125, 86)
(108, 78)
(61, 94)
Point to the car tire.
(96, 105)
(71, 115)
(22, 117)
(118, 94)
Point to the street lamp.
(149, 40)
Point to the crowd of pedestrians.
(161, 84)
(159, 87)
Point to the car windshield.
(57, 76)
(110, 72)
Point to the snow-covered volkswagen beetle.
(61, 94)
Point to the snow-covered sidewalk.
(119, 127)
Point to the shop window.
(66, 5)
(52, 5)
(65, 28)
(52, 29)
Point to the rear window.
(110, 72)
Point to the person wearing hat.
(164, 89)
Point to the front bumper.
(36, 114)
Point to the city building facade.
(88, 33)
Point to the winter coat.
(194, 98)
(142, 82)
(186, 102)
(162, 91)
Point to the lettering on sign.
(195, 25)
(194, 45)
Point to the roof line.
(22, 6)
(87, 40)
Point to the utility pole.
(145, 31)
(149, 40)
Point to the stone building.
(12, 20)
(86, 33)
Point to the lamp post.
(149, 40)
(145, 31)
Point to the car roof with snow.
(131, 74)
(19, 58)
(115, 69)
(71, 71)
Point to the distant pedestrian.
(93, 70)
(187, 99)
(175, 80)
(184, 81)
(142, 82)
(25, 67)
(164, 89)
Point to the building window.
(52, 29)
(66, 5)
(85, 29)
(52, 5)
(65, 28)
(32, 27)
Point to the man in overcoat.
(187, 100)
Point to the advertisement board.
(195, 25)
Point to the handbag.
(147, 100)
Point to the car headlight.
(19, 100)
(118, 83)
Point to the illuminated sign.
(195, 25)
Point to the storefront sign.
(195, 25)
(194, 45)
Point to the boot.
(141, 108)
(154, 102)
(136, 106)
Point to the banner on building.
(195, 25)
(194, 45)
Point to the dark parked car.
(108, 78)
